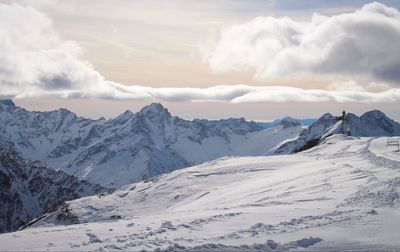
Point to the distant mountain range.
(133, 146)
(304, 122)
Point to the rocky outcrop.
(28, 188)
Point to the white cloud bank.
(364, 42)
(222, 93)
(36, 62)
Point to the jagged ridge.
(132, 146)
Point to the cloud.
(36, 62)
(363, 42)
(351, 85)
(222, 93)
(34, 58)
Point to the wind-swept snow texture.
(133, 146)
(342, 194)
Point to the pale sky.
(74, 46)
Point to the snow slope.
(341, 194)
(132, 146)
(28, 188)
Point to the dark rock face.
(29, 188)
(310, 136)
(311, 143)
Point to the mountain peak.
(289, 122)
(371, 124)
(377, 114)
(326, 116)
(154, 108)
(124, 117)
(7, 102)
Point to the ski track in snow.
(342, 194)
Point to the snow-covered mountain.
(372, 123)
(28, 188)
(132, 146)
(304, 122)
(341, 195)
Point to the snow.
(380, 148)
(28, 188)
(255, 143)
(370, 124)
(132, 146)
(137, 146)
(341, 194)
(304, 122)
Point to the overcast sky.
(209, 59)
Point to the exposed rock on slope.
(370, 124)
(28, 188)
